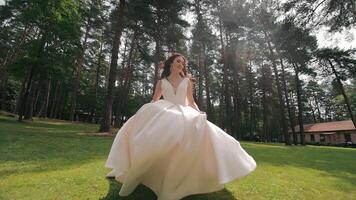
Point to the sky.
(345, 39)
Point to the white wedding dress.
(172, 149)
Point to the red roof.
(346, 125)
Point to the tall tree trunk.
(38, 92)
(279, 91)
(62, 105)
(127, 79)
(44, 108)
(107, 118)
(58, 104)
(31, 101)
(9, 58)
(24, 99)
(21, 94)
(237, 98)
(341, 87)
(290, 115)
(251, 99)
(96, 84)
(3, 90)
(313, 112)
(266, 121)
(202, 67)
(55, 99)
(300, 104)
(207, 91)
(200, 82)
(78, 71)
(226, 93)
(318, 109)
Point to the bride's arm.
(190, 97)
(158, 91)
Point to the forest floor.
(50, 160)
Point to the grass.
(48, 160)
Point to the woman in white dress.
(170, 146)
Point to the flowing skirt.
(175, 151)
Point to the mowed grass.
(47, 159)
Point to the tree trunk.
(24, 100)
(55, 99)
(279, 91)
(313, 112)
(251, 99)
(3, 90)
(266, 121)
(106, 121)
(237, 97)
(226, 93)
(200, 82)
(127, 79)
(31, 101)
(21, 94)
(207, 91)
(290, 115)
(341, 87)
(58, 103)
(318, 109)
(300, 105)
(78, 72)
(44, 108)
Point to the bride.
(170, 146)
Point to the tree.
(117, 31)
(336, 14)
(343, 59)
(296, 45)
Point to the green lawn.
(47, 159)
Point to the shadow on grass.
(144, 193)
(335, 162)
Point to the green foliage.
(336, 14)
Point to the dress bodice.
(175, 95)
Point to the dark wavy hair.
(167, 66)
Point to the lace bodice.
(178, 95)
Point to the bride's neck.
(174, 76)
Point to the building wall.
(353, 138)
(338, 138)
(317, 137)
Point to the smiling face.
(178, 64)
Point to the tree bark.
(3, 90)
(107, 118)
(300, 104)
(279, 91)
(31, 101)
(341, 87)
(290, 115)
(78, 72)
(44, 108)
(207, 91)
(127, 79)
(55, 99)
(23, 100)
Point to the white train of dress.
(174, 150)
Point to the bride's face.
(178, 64)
